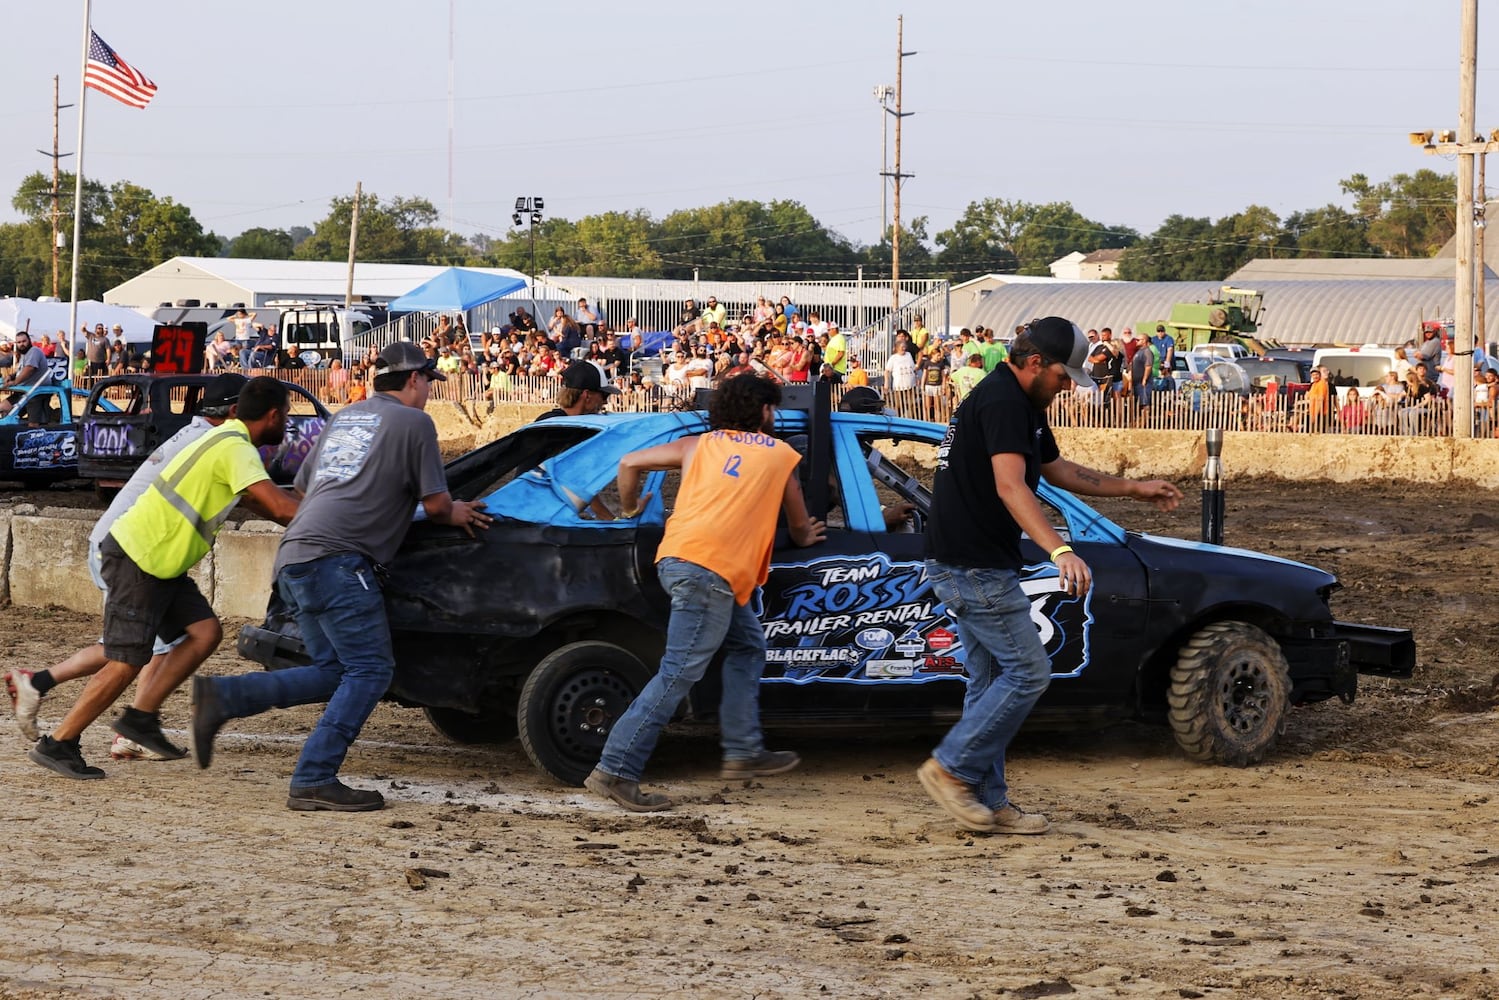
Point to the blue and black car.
(547, 625)
(39, 434)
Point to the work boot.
(625, 793)
(1010, 818)
(208, 717)
(144, 729)
(64, 757)
(955, 797)
(335, 796)
(762, 765)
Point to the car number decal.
(44, 449)
(868, 619)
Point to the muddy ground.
(1358, 861)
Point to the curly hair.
(739, 403)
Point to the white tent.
(52, 317)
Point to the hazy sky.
(1129, 110)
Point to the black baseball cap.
(586, 375)
(1063, 341)
(221, 393)
(404, 356)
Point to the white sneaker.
(25, 701)
(127, 749)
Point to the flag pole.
(78, 190)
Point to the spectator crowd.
(923, 376)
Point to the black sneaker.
(334, 797)
(146, 730)
(64, 757)
(208, 717)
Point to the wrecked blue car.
(39, 434)
(547, 625)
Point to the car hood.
(1200, 577)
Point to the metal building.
(1385, 312)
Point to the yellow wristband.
(1058, 551)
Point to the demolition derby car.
(548, 624)
(39, 434)
(126, 417)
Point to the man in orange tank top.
(736, 480)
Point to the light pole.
(531, 208)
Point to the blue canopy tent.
(456, 289)
(646, 342)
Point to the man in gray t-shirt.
(373, 463)
(30, 370)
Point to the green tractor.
(1230, 316)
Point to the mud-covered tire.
(570, 703)
(1230, 693)
(462, 727)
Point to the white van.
(1364, 367)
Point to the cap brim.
(431, 372)
(609, 390)
(1079, 377)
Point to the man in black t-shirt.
(997, 448)
(691, 319)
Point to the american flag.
(107, 73)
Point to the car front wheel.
(1230, 690)
(570, 703)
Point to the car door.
(860, 611)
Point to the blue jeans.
(1008, 671)
(338, 606)
(704, 618)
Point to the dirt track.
(1359, 861)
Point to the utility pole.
(1480, 262)
(883, 93)
(900, 56)
(1462, 394)
(450, 113)
(56, 189)
(1466, 143)
(353, 245)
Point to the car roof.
(558, 488)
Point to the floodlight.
(1447, 135)
(1421, 138)
(520, 206)
(540, 204)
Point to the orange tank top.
(728, 505)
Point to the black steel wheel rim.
(584, 710)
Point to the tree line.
(127, 229)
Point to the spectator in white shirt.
(900, 370)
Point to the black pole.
(1212, 489)
(531, 226)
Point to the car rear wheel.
(570, 703)
(1230, 690)
(496, 726)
